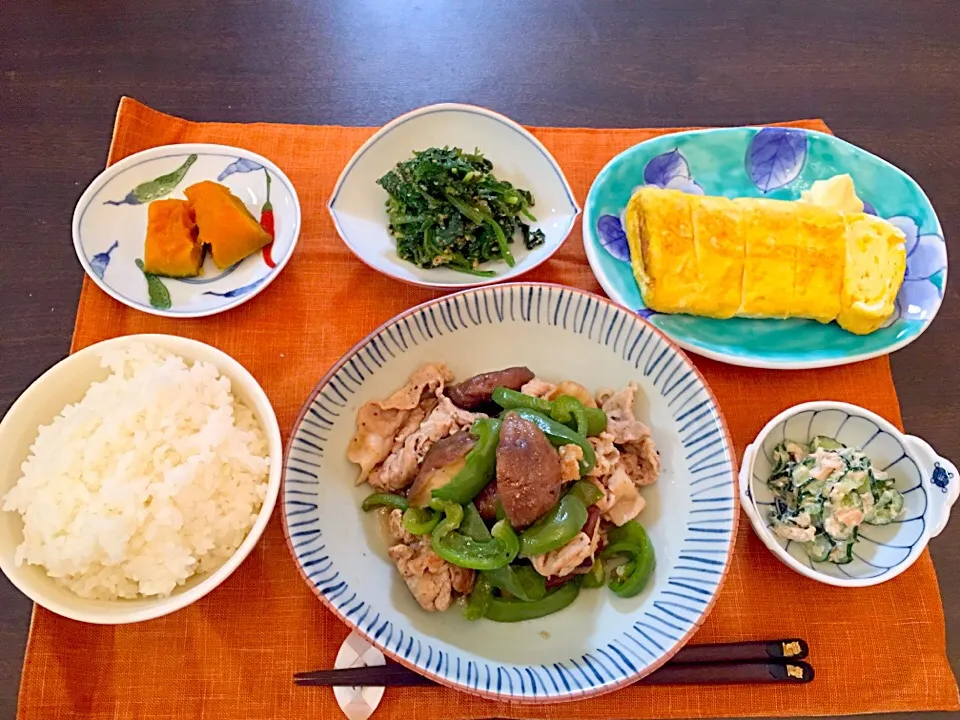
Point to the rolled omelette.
(760, 258)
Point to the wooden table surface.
(882, 73)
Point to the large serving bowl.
(599, 643)
(357, 202)
(67, 382)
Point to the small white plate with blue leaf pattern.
(599, 643)
(777, 163)
(110, 227)
(928, 482)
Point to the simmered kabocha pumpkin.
(172, 248)
(225, 223)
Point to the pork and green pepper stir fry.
(509, 491)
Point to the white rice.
(157, 474)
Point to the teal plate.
(777, 163)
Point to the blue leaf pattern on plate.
(99, 262)
(776, 156)
(613, 238)
(237, 292)
(916, 299)
(929, 256)
(241, 165)
(207, 281)
(926, 258)
(665, 167)
(129, 199)
(687, 185)
(908, 226)
(671, 171)
(868, 208)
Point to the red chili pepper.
(266, 222)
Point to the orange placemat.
(231, 655)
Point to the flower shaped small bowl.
(929, 484)
(357, 203)
(110, 227)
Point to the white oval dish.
(67, 382)
(357, 202)
(110, 227)
(599, 643)
(929, 483)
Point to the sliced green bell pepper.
(420, 521)
(594, 578)
(572, 413)
(555, 529)
(559, 434)
(632, 542)
(479, 467)
(464, 551)
(389, 500)
(594, 418)
(521, 581)
(472, 524)
(480, 598)
(451, 514)
(586, 492)
(501, 610)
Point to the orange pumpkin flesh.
(172, 248)
(225, 223)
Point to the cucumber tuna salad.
(823, 492)
(156, 475)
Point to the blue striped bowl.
(600, 643)
(929, 484)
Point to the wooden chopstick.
(747, 662)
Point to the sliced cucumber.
(819, 548)
(779, 483)
(813, 489)
(842, 553)
(856, 460)
(814, 508)
(780, 457)
(796, 450)
(887, 508)
(800, 475)
(827, 443)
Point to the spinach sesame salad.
(823, 491)
(448, 209)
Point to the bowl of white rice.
(136, 476)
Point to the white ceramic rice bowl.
(65, 383)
